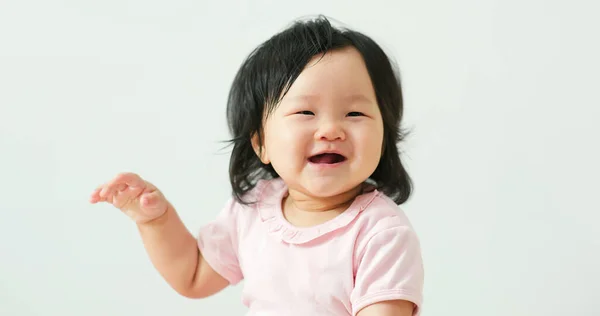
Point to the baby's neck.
(303, 211)
(302, 202)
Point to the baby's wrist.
(159, 219)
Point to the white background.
(502, 98)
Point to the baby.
(313, 226)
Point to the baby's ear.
(260, 149)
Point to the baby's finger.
(118, 188)
(121, 187)
(151, 200)
(120, 183)
(95, 196)
(128, 178)
(101, 192)
(105, 192)
(153, 205)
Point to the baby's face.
(326, 136)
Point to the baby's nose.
(330, 131)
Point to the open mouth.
(327, 158)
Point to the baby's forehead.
(345, 70)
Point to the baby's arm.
(388, 308)
(174, 253)
(172, 249)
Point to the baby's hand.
(138, 199)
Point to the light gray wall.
(502, 97)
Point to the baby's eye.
(306, 113)
(355, 114)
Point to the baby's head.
(321, 108)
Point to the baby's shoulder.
(384, 226)
(379, 215)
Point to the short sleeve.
(389, 267)
(218, 243)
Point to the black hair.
(267, 74)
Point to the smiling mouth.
(327, 158)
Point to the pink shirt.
(369, 253)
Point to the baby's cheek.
(368, 140)
(372, 152)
